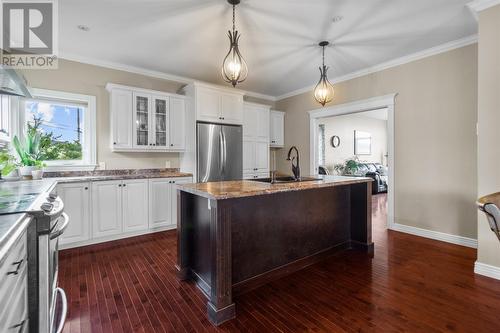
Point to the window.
(321, 143)
(67, 124)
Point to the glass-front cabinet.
(160, 122)
(142, 128)
(146, 120)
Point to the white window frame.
(89, 151)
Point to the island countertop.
(247, 188)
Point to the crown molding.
(154, 74)
(392, 63)
(480, 5)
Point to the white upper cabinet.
(277, 129)
(160, 131)
(146, 120)
(256, 122)
(218, 105)
(121, 121)
(177, 123)
(141, 119)
(231, 108)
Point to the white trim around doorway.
(381, 102)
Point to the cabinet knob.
(114, 143)
(171, 144)
(85, 188)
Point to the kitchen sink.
(287, 179)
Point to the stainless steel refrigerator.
(219, 152)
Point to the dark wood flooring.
(412, 284)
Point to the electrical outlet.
(102, 166)
(167, 164)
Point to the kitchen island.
(234, 236)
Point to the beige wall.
(344, 127)
(87, 79)
(489, 126)
(435, 136)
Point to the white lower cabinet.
(135, 205)
(160, 197)
(163, 201)
(106, 210)
(76, 198)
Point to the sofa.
(378, 173)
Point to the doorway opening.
(357, 139)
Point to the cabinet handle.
(124, 185)
(85, 188)
(18, 266)
(119, 185)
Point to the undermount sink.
(287, 179)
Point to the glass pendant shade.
(323, 93)
(234, 67)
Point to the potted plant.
(29, 152)
(348, 168)
(8, 164)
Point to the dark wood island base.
(236, 236)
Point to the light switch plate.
(102, 166)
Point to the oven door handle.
(64, 311)
(61, 229)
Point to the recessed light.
(83, 27)
(337, 19)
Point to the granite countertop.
(248, 188)
(101, 175)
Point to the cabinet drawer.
(15, 315)
(11, 272)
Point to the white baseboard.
(487, 270)
(440, 236)
(70, 245)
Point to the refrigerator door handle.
(224, 152)
(221, 152)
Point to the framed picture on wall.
(362, 143)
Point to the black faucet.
(296, 167)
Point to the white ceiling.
(279, 37)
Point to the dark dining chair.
(490, 204)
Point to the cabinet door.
(177, 123)
(262, 119)
(173, 198)
(142, 111)
(106, 208)
(232, 109)
(159, 203)
(262, 156)
(248, 156)
(121, 120)
(76, 199)
(250, 121)
(135, 205)
(160, 122)
(277, 137)
(208, 105)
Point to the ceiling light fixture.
(323, 93)
(234, 67)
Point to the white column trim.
(386, 101)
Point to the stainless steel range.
(47, 302)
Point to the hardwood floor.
(412, 284)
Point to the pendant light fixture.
(234, 67)
(323, 93)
